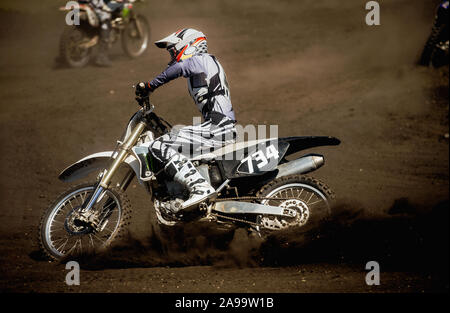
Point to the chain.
(235, 219)
(249, 198)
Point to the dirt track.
(313, 68)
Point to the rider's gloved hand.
(142, 89)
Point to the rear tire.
(70, 52)
(311, 199)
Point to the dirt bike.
(78, 42)
(256, 187)
(436, 50)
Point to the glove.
(142, 89)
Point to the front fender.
(93, 162)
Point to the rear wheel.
(70, 48)
(61, 235)
(309, 198)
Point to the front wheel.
(59, 233)
(310, 198)
(135, 36)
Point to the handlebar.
(144, 102)
(159, 124)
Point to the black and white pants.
(104, 11)
(192, 141)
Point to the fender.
(305, 142)
(96, 161)
(232, 167)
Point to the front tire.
(309, 197)
(133, 43)
(60, 236)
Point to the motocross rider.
(104, 10)
(440, 23)
(209, 89)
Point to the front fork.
(124, 151)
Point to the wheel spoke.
(73, 247)
(312, 194)
(109, 205)
(63, 245)
(92, 241)
(56, 240)
(99, 239)
(82, 198)
(318, 201)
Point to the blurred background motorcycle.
(79, 43)
(435, 52)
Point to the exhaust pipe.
(302, 165)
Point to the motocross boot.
(185, 173)
(102, 58)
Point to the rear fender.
(95, 162)
(302, 143)
(263, 156)
(250, 158)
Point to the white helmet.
(183, 44)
